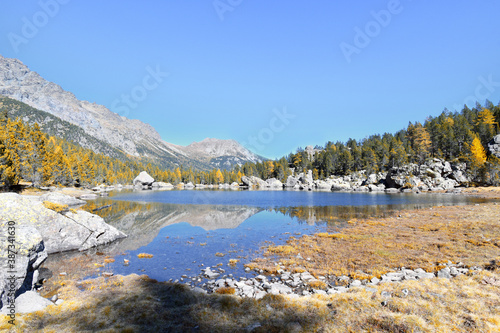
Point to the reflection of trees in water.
(335, 214)
(142, 221)
(116, 209)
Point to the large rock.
(162, 185)
(341, 187)
(78, 230)
(291, 181)
(253, 181)
(494, 146)
(459, 176)
(61, 199)
(28, 302)
(324, 184)
(306, 179)
(143, 179)
(27, 243)
(274, 183)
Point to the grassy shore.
(366, 248)
(362, 248)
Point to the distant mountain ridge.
(130, 136)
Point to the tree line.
(29, 155)
(453, 136)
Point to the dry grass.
(138, 304)
(420, 238)
(282, 249)
(58, 208)
(144, 256)
(317, 284)
(226, 291)
(483, 192)
(233, 262)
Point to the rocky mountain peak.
(131, 136)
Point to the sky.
(272, 75)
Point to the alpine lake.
(186, 231)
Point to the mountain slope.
(130, 136)
(55, 126)
(222, 153)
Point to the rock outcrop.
(435, 174)
(70, 230)
(27, 251)
(494, 146)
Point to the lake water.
(188, 230)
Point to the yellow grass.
(55, 207)
(233, 262)
(144, 255)
(425, 239)
(139, 304)
(225, 291)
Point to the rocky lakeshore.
(303, 283)
(433, 175)
(33, 227)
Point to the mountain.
(55, 126)
(129, 136)
(222, 153)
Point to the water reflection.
(182, 237)
(142, 221)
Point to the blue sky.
(273, 75)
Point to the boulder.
(253, 181)
(162, 185)
(341, 187)
(77, 230)
(28, 302)
(324, 184)
(306, 179)
(371, 179)
(494, 146)
(447, 168)
(274, 183)
(90, 196)
(449, 184)
(291, 181)
(143, 179)
(459, 176)
(30, 253)
(61, 199)
(374, 188)
(436, 165)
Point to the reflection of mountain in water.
(142, 222)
